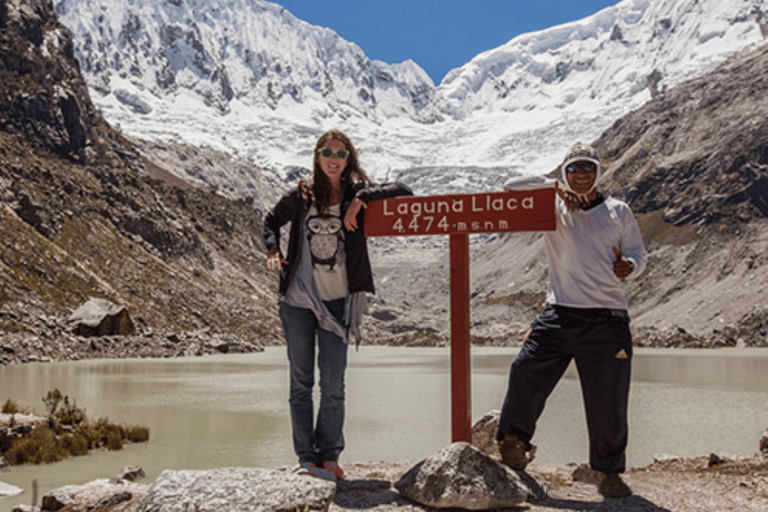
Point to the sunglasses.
(581, 167)
(341, 154)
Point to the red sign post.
(459, 216)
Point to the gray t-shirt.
(325, 237)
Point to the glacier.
(249, 78)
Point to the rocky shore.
(52, 344)
(45, 338)
(29, 348)
(670, 484)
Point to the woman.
(323, 280)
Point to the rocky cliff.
(693, 164)
(83, 214)
(699, 152)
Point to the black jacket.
(290, 208)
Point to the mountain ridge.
(285, 82)
(82, 218)
(217, 49)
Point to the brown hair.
(318, 191)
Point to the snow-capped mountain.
(253, 53)
(616, 56)
(247, 77)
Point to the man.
(595, 247)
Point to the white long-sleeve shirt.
(580, 255)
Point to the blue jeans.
(324, 440)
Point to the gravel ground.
(675, 485)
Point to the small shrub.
(86, 432)
(76, 444)
(67, 414)
(114, 440)
(13, 407)
(52, 400)
(67, 433)
(41, 446)
(136, 434)
(70, 414)
(107, 435)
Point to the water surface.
(232, 410)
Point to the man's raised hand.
(622, 267)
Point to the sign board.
(492, 212)
(459, 216)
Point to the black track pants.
(600, 343)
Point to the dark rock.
(99, 317)
(131, 474)
(95, 495)
(45, 96)
(112, 500)
(56, 501)
(716, 459)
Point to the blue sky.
(438, 35)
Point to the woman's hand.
(350, 218)
(275, 261)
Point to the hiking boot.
(333, 467)
(515, 452)
(614, 487)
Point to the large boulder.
(99, 317)
(764, 444)
(461, 476)
(221, 489)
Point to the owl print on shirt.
(326, 242)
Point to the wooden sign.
(492, 212)
(459, 216)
